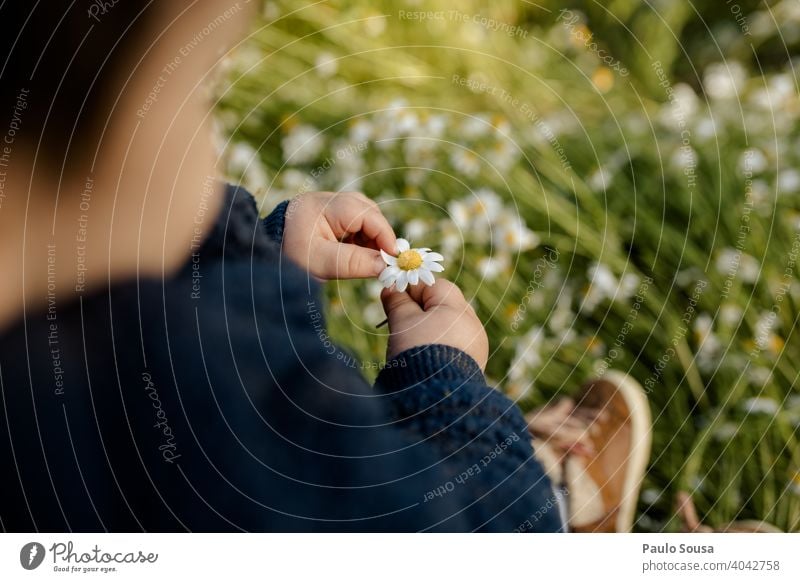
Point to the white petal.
(432, 257)
(389, 273)
(401, 282)
(423, 251)
(402, 245)
(435, 267)
(413, 277)
(426, 277)
(388, 259)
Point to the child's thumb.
(347, 261)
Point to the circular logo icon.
(31, 555)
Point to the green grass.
(547, 118)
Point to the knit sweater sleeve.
(438, 395)
(276, 220)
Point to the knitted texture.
(439, 395)
(238, 232)
(275, 222)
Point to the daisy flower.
(302, 144)
(410, 266)
(761, 405)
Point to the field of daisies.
(613, 185)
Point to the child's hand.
(337, 235)
(438, 314)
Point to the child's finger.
(335, 260)
(352, 214)
(398, 305)
(442, 292)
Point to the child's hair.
(58, 61)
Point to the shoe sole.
(641, 440)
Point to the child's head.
(76, 61)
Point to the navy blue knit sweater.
(213, 400)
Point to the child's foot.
(596, 448)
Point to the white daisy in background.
(602, 284)
(416, 229)
(485, 204)
(733, 262)
(686, 99)
(561, 318)
(724, 80)
(460, 214)
(764, 334)
(407, 122)
(466, 162)
(297, 181)
(752, 160)
(681, 109)
(326, 65)
(361, 130)
(241, 155)
(420, 151)
(761, 405)
(373, 311)
(705, 128)
(779, 93)
(302, 144)
(503, 155)
(475, 126)
(514, 236)
(794, 484)
(759, 376)
(416, 176)
(244, 165)
(375, 25)
(628, 286)
(684, 157)
(730, 314)
(726, 431)
(527, 354)
(349, 166)
(434, 125)
(244, 59)
(600, 179)
(395, 121)
(452, 237)
(501, 125)
(485, 208)
(709, 344)
(689, 277)
(788, 181)
(492, 267)
(410, 266)
(271, 11)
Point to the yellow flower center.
(409, 260)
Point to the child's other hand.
(438, 314)
(337, 235)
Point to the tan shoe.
(597, 453)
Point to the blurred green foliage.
(648, 148)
